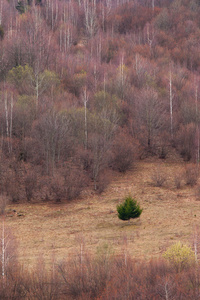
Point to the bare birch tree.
(7, 251)
(90, 13)
(8, 107)
(171, 96)
(197, 122)
(85, 100)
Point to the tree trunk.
(171, 104)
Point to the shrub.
(185, 141)
(123, 152)
(178, 179)
(57, 189)
(30, 184)
(68, 184)
(180, 256)
(3, 202)
(158, 177)
(191, 175)
(74, 181)
(197, 193)
(102, 182)
(129, 209)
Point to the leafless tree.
(90, 17)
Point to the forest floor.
(57, 230)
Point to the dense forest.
(91, 86)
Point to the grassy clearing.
(169, 215)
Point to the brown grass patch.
(168, 216)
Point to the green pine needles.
(130, 209)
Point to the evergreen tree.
(129, 209)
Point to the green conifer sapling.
(129, 209)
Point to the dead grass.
(169, 215)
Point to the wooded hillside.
(89, 86)
(90, 89)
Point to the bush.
(3, 202)
(123, 153)
(197, 193)
(178, 179)
(30, 184)
(68, 184)
(185, 141)
(102, 182)
(74, 181)
(191, 175)
(158, 178)
(57, 189)
(129, 209)
(180, 256)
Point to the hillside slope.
(169, 215)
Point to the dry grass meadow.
(57, 230)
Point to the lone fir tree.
(130, 209)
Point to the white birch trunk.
(6, 111)
(46, 8)
(37, 90)
(81, 259)
(11, 31)
(65, 40)
(171, 104)
(85, 100)
(197, 124)
(11, 121)
(1, 13)
(121, 68)
(166, 291)
(60, 40)
(136, 63)
(1, 142)
(99, 49)
(95, 77)
(3, 250)
(56, 17)
(153, 5)
(52, 21)
(195, 246)
(104, 85)
(103, 18)
(68, 38)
